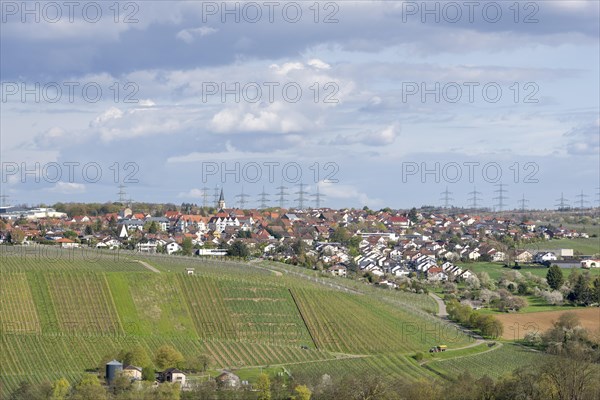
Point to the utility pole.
(474, 199)
(501, 197)
(446, 197)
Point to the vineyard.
(350, 323)
(65, 317)
(494, 363)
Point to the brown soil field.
(516, 326)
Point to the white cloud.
(68, 188)
(190, 35)
(348, 193)
(382, 137)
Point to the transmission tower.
(474, 199)
(130, 203)
(582, 200)
(263, 200)
(242, 198)
(122, 193)
(523, 203)
(3, 198)
(501, 197)
(205, 196)
(216, 195)
(317, 197)
(446, 197)
(562, 203)
(301, 196)
(282, 195)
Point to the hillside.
(65, 315)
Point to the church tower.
(221, 205)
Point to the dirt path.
(148, 266)
(441, 305)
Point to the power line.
(121, 193)
(523, 203)
(263, 200)
(501, 197)
(582, 200)
(446, 197)
(474, 199)
(562, 203)
(3, 200)
(301, 194)
(282, 195)
(242, 198)
(317, 197)
(205, 196)
(216, 196)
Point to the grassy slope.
(494, 363)
(76, 314)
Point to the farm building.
(173, 375)
(135, 373)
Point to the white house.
(172, 247)
(545, 256)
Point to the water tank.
(113, 368)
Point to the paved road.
(441, 306)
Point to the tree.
(412, 215)
(137, 356)
(187, 246)
(581, 292)
(29, 391)
(302, 392)
(89, 230)
(153, 228)
(89, 388)
(16, 236)
(148, 373)
(168, 357)
(263, 385)
(596, 291)
(555, 277)
(60, 389)
(238, 249)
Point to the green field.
(583, 246)
(500, 360)
(495, 270)
(63, 317)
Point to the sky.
(376, 103)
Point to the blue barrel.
(113, 368)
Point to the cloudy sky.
(378, 103)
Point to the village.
(383, 244)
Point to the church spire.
(221, 204)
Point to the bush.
(419, 356)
